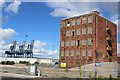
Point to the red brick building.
(87, 38)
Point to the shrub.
(118, 76)
(110, 77)
(37, 63)
(8, 62)
(24, 62)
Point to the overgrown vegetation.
(7, 63)
(24, 62)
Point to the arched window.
(73, 33)
(68, 23)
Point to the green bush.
(118, 76)
(36, 63)
(24, 62)
(8, 62)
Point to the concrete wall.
(31, 60)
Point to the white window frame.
(83, 30)
(83, 53)
(78, 31)
(62, 53)
(67, 53)
(90, 53)
(90, 19)
(89, 30)
(67, 33)
(73, 22)
(72, 32)
(89, 41)
(84, 20)
(73, 43)
(77, 42)
(83, 42)
(62, 43)
(78, 21)
(68, 24)
(72, 53)
(67, 43)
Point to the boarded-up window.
(77, 52)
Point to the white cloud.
(2, 2)
(52, 52)
(71, 8)
(6, 34)
(13, 7)
(39, 47)
(68, 9)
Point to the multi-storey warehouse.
(87, 38)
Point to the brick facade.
(86, 39)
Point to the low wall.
(31, 60)
(17, 60)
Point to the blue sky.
(41, 21)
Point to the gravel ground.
(21, 71)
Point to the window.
(89, 53)
(83, 42)
(89, 41)
(63, 24)
(67, 33)
(73, 33)
(67, 43)
(83, 53)
(83, 20)
(72, 43)
(89, 30)
(83, 31)
(78, 52)
(78, 43)
(68, 23)
(78, 21)
(73, 22)
(78, 31)
(72, 53)
(62, 43)
(62, 53)
(90, 19)
(67, 53)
